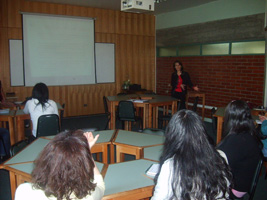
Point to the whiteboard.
(105, 62)
(16, 63)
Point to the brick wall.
(222, 78)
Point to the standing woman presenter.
(179, 82)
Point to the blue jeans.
(4, 134)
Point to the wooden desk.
(133, 143)
(220, 115)
(9, 117)
(133, 183)
(197, 94)
(149, 107)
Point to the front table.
(149, 111)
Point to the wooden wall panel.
(3, 13)
(132, 34)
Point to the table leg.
(105, 154)
(219, 129)
(111, 152)
(113, 115)
(149, 116)
(13, 183)
(20, 128)
(11, 130)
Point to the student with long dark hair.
(39, 104)
(190, 167)
(241, 146)
(180, 80)
(65, 169)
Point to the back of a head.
(194, 160)
(237, 118)
(40, 92)
(185, 131)
(65, 167)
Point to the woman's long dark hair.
(238, 119)
(40, 92)
(199, 172)
(65, 167)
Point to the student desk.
(128, 142)
(128, 180)
(220, 115)
(9, 117)
(123, 180)
(148, 107)
(153, 153)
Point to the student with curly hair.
(65, 169)
(190, 167)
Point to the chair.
(17, 147)
(48, 125)
(254, 183)
(106, 111)
(154, 131)
(126, 113)
(121, 93)
(262, 137)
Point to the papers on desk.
(258, 121)
(4, 111)
(152, 170)
(138, 100)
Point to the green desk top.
(104, 136)
(30, 153)
(153, 153)
(10, 113)
(28, 167)
(121, 177)
(138, 139)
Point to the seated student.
(190, 167)
(264, 132)
(241, 146)
(65, 169)
(40, 104)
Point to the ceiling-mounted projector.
(137, 6)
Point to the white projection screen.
(58, 50)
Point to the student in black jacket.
(179, 82)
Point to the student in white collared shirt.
(40, 104)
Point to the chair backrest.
(17, 147)
(126, 110)
(48, 125)
(255, 179)
(105, 104)
(195, 104)
(121, 93)
(214, 120)
(154, 131)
